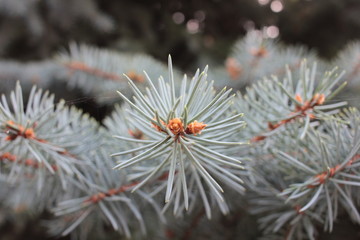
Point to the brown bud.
(195, 127)
(29, 133)
(320, 100)
(175, 125)
(298, 98)
(136, 133)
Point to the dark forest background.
(188, 30)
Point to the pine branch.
(103, 195)
(269, 105)
(41, 144)
(252, 59)
(317, 179)
(176, 144)
(180, 141)
(27, 162)
(99, 72)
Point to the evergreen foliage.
(171, 155)
(88, 66)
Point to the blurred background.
(191, 31)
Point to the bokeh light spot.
(276, 6)
(272, 31)
(178, 17)
(192, 26)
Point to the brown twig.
(321, 178)
(80, 66)
(27, 162)
(114, 191)
(14, 130)
(299, 112)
